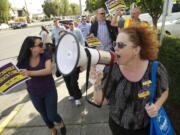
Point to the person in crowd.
(33, 62)
(136, 48)
(77, 33)
(120, 22)
(76, 24)
(93, 20)
(84, 27)
(55, 31)
(134, 19)
(46, 39)
(72, 79)
(103, 30)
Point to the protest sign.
(113, 5)
(10, 77)
(93, 41)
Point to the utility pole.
(27, 12)
(80, 7)
(165, 9)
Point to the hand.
(24, 72)
(152, 110)
(96, 74)
(91, 35)
(98, 79)
(81, 69)
(118, 12)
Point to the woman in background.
(46, 39)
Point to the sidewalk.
(83, 120)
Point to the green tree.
(50, 7)
(4, 11)
(74, 9)
(92, 5)
(64, 7)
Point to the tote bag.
(159, 125)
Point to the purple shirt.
(39, 85)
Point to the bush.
(169, 55)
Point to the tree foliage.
(60, 8)
(50, 8)
(74, 9)
(4, 11)
(92, 5)
(64, 8)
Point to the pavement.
(83, 120)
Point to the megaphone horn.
(70, 54)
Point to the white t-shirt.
(45, 37)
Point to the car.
(16, 25)
(44, 20)
(171, 27)
(4, 26)
(174, 15)
(23, 24)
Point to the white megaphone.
(70, 54)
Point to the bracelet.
(98, 88)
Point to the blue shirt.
(104, 36)
(55, 33)
(78, 35)
(86, 29)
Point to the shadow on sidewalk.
(83, 120)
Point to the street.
(10, 43)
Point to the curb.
(10, 117)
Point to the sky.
(34, 6)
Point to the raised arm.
(43, 72)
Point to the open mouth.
(117, 56)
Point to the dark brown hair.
(44, 28)
(146, 38)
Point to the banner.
(10, 77)
(93, 41)
(113, 5)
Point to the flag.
(113, 5)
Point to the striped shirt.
(104, 36)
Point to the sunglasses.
(102, 13)
(120, 45)
(39, 45)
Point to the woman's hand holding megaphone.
(96, 75)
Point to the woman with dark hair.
(33, 62)
(128, 89)
(47, 42)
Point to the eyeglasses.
(102, 13)
(119, 44)
(39, 45)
